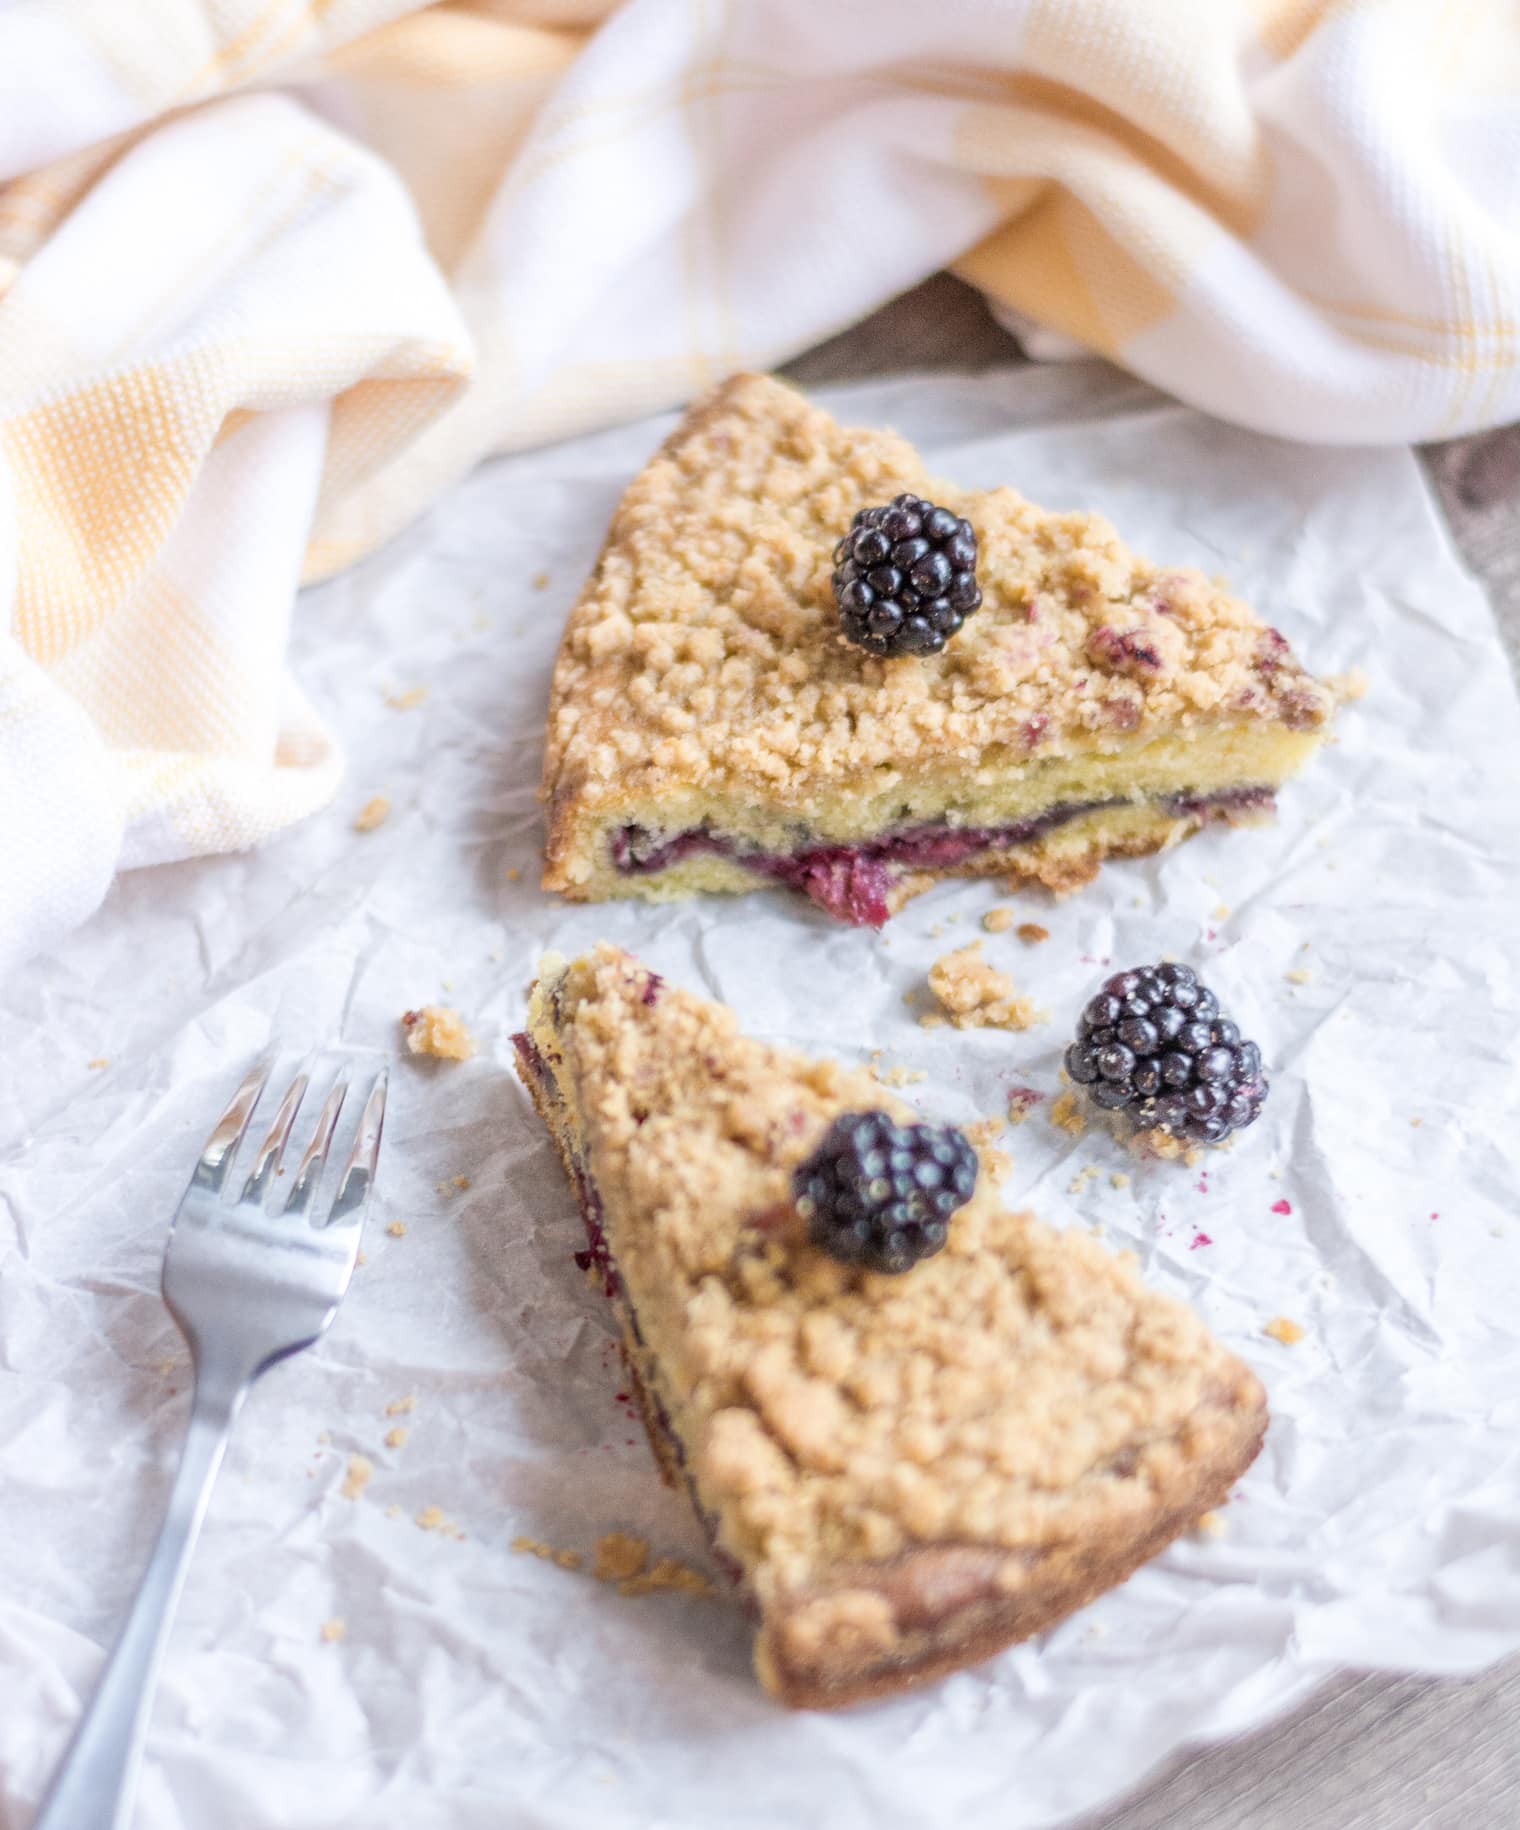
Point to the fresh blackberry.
(1155, 1042)
(880, 1194)
(905, 577)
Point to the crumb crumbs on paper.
(1118, 1179)
(1032, 933)
(1087, 1173)
(998, 921)
(977, 995)
(1417, 1122)
(396, 1438)
(1282, 1329)
(1349, 686)
(397, 1229)
(334, 1630)
(361, 1257)
(1212, 1525)
(401, 1407)
(375, 812)
(407, 701)
(453, 1185)
(1021, 1102)
(1300, 975)
(669, 1573)
(1222, 912)
(393, 1512)
(540, 581)
(360, 1469)
(619, 1556)
(897, 1075)
(514, 873)
(1067, 1115)
(434, 1518)
(100, 1061)
(438, 1029)
(324, 1436)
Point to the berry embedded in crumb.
(879, 1194)
(1154, 1042)
(905, 577)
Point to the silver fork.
(249, 1282)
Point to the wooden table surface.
(1368, 1752)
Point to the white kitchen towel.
(273, 273)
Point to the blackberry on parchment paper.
(880, 1194)
(1154, 1043)
(905, 577)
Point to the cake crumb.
(396, 1438)
(1281, 1329)
(1212, 1525)
(397, 1229)
(667, 1574)
(401, 1407)
(977, 995)
(434, 1518)
(324, 1436)
(540, 581)
(1067, 1115)
(100, 1061)
(569, 1559)
(453, 1185)
(1118, 1179)
(1417, 1122)
(1031, 933)
(533, 1547)
(438, 1029)
(1021, 1102)
(998, 921)
(1349, 686)
(1222, 913)
(360, 1468)
(1300, 975)
(514, 873)
(1079, 1181)
(931, 1019)
(375, 812)
(407, 701)
(335, 1630)
(361, 1257)
(620, 1557)
(899, 1076)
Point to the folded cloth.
(245, 337)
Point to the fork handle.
(93, 1788)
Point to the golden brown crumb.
(984, 1130)
(540, 581)
(362, 1257)
(434, 1518)
(360, 1468)
(979, 996)
(335, 1629)
(1300, 975)
(397, 1229)
(899, 1076)
(668, 1573)
(100, 1061)
(514, 873)
(931, 1019)
(1222, 912)
(619, 1557)
(1281, 1329)
(1087, 1173)
(375, 812)
(569, 1559)
(1350, 686)
(1417, 1122)
(1031, 933)
(1212, 1525)
(533, 1547)
(453, 1185)
(400, 1407)
(396, 1438)
(407, 701)
(998, 921)
(1066, 1113)
(1119, 1179)
(438, 1029)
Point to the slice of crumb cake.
(710, 728)
(906, 1468)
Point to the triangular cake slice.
(710, 729)
(907, 1472)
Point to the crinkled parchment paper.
(1369, 941)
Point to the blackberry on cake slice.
(803, 661)
(916, 1426)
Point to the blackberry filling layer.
(853, 882)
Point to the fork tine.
(222, 1146)
(272, 1151)
(359, 1171)
(314, 1161)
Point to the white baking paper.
(1369, 941)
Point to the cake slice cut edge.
(709, 728)
(903, 1475)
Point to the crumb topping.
(439, 1030)
(375, 812)
(998, 921)
(1016, 1391)
(978, 996)
(1066, 1114)
(1282, 1329)
(704, 651)
(358, 1476)
(1031, 933)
